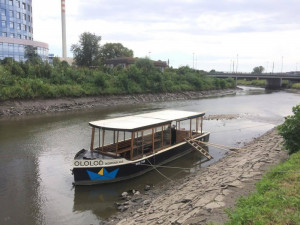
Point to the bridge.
(274, 80)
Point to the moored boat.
(132, 145)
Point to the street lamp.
(193, 60)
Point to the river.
(36, 154)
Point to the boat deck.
(90, 155)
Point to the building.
(125, 62)
(17, 32)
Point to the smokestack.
(63, 26)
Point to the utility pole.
(273, 68)
(281, 63)
(193, 60)
(63, 26)
(237, 62)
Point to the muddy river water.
(36, 154)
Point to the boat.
(125, 147)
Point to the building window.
(11, 25)
(28, 8)
(29, 18)
(18, 15)
(12, 35)
(11, 13)
(10, 2)
(23, 5)
(29, 28)
(3, 12)
(3, 23)
(19, 4)
(3, 1)
(4, 34)
(24, 16)
(19, 26)
(24, 27)
(25, 37)
(19, 36)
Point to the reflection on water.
(36, 155)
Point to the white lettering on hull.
(97, 163)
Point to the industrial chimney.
(63, 26)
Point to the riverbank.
(203, 195)
(28, 107)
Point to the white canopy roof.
(146, 120)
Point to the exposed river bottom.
(37, 150)
(202, 196)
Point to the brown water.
(36, 155)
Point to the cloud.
(259, 31)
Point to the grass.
(258, 83)
(277, 200)
(296, 85)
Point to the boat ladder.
(198, 147)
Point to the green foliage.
(87, 51)
(290, 131)
(276, 200)
(31, 54)
(257, 83)
(29, 80)
(296, 85)
(258, 69)
(113, 50)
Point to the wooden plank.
(153, 140)
(162, 136)
(114, 136)
(117, 142)
(103, 135)
(142, 143)
(190, 127)
(202, 125)
(131, 150)
(92, 139)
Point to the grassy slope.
(277, 200)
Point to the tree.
(145, 64)
(258, 69)
(113, 50)
(290, 131)
(31, 54)
(87, 51)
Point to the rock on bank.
(26, 107)
(202, 196)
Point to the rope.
(168, 167)
(159, 171)
(223, 147)
(240, 128)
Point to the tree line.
(89, 76)
(29, 80)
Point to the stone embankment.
(203, 196)
(26, 107)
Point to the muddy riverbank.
(203, 195)
(27, 107)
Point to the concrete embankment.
(203, 196)
(27, 107)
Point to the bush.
(290, 131)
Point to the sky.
(224, 35)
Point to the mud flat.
(203, 196)
(27, 107)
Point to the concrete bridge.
(274, 80)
